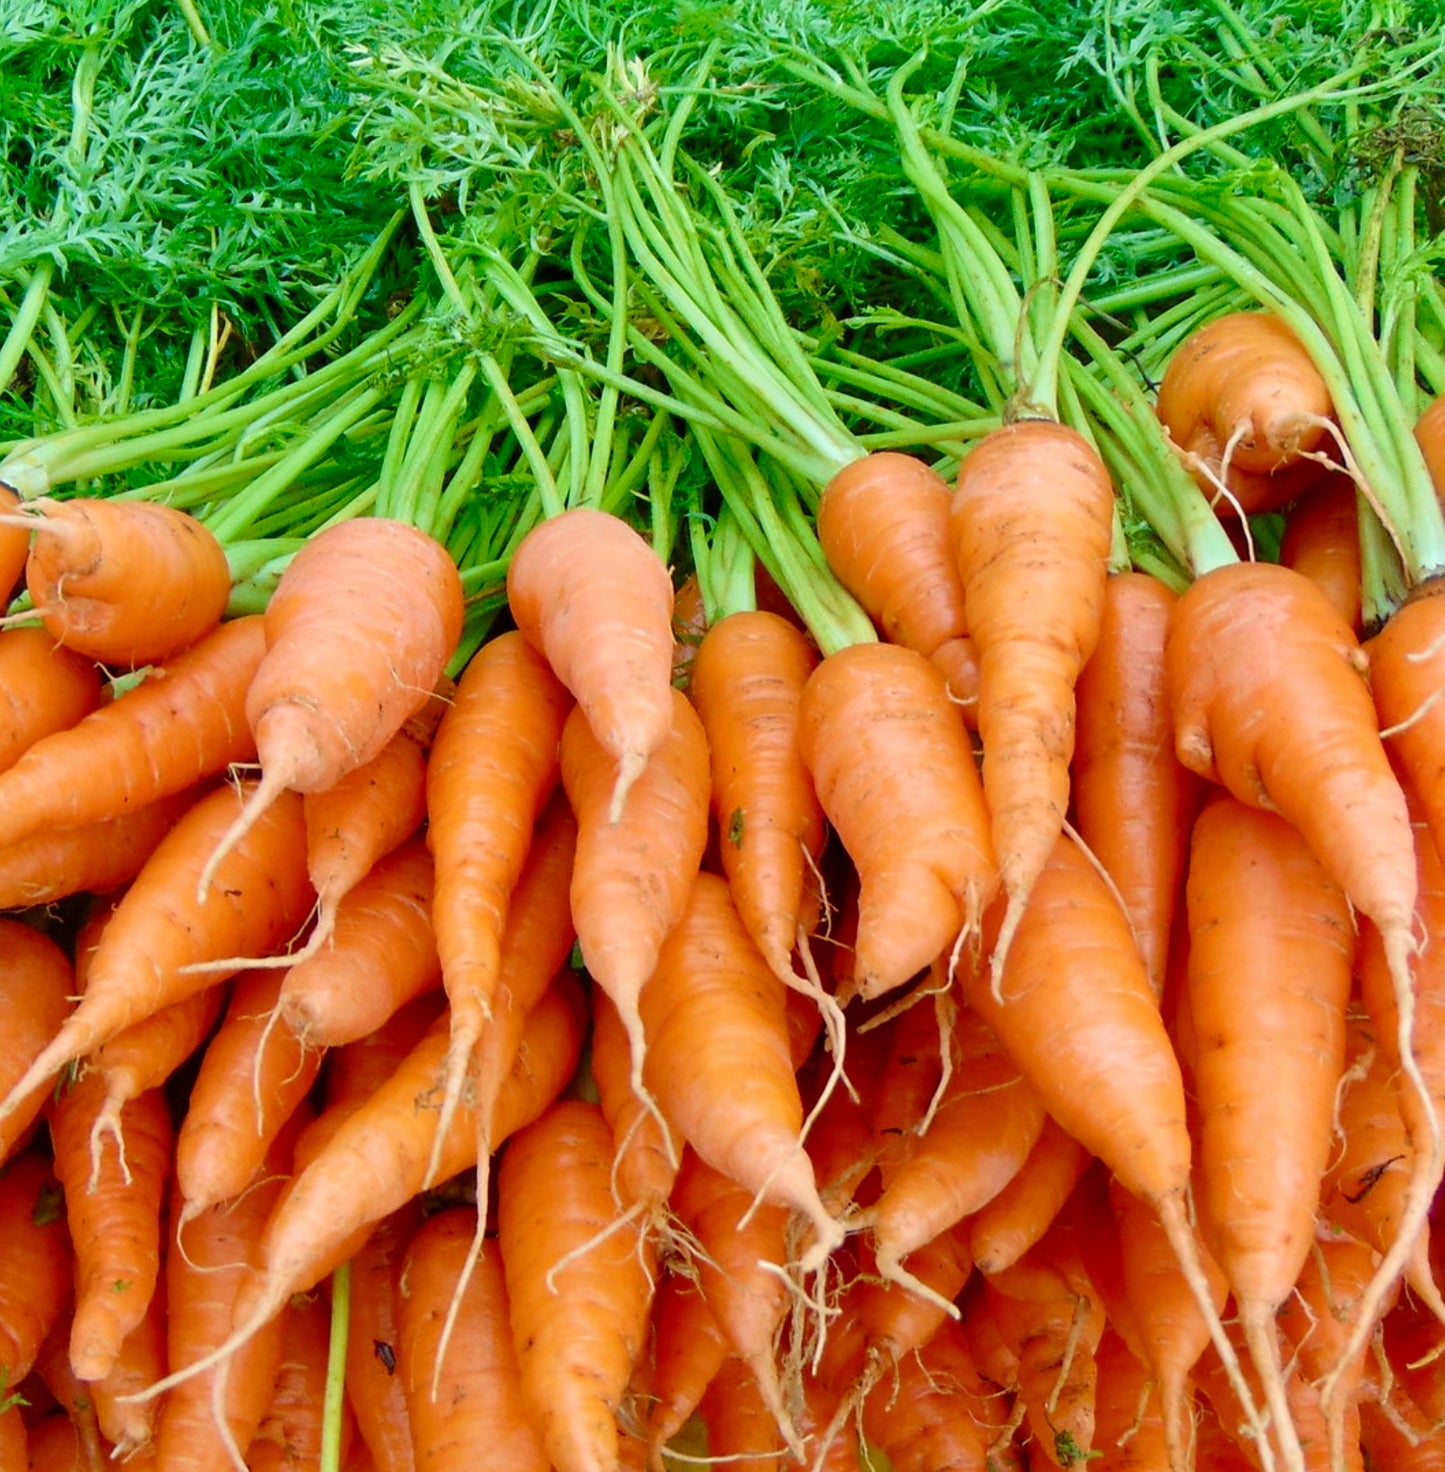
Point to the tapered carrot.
(632, 877)
(87, 1451)
(492, 768)
(129, 1425)
(1133, 798)
(114, 1217)
(480, 1402)
(895, 773)
(1322, 541)
(125, 582)
(688, 1348)
(740, 1430)
(241, 1097)
(358, 633)
(1031, 526)
(44, 688)
(37, 984)
(579, 1299)
(714, 1016)
(158, 927)
(1270, 959)
(35, 1268)
(182, 723)
(592, 595)
(1128, 1423)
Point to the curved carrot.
(35, 1268)
(125, 582)
(579, 1299)
(1268, 1003)
(158, 927)
(632, 877)
(593, 596)
(1133, 798)
(895, 774)
(37, 988)
(114, 1217)
(715, 1019)
(492, 767)
(44, 688)
(479, 1403)
(1031, 522)
(130, 1424)
(183, 722)
(1322, 541)
(358, 633)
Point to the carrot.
(56, 863)
(290, 1433)
(72, 1395)
(37, 983)
(1133, 798)
(688, 1348)
(1128, 1423)
(1430, 436)
(980, 1136)
(1268, 1001)
(158, 926)
(481, 1404)
(14, 541)
(114, 1217)
(492, 768)
(182, 723)
(1031, 522)
(224, 1135)
(579, 1321)
(911, 1079)
(44, 688)
(714, 1015)
(374, 1389)
(129, 1425)
(894, 771)
(358, 633)
(1243, 402)
(1322, 541)
(632, 876)
(124, 582)
(592, 596)
(15, 1438)
(740, 1430)
(1078, 1016)
(35, 1269)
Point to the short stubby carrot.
(1031, 521)
(593, 596)
(125, 582)
(895, 773)
(182, 723)
(358, 633)
(44, 688)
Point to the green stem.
(333, 1404)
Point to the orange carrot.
(1031, 522)
(1430, 436)
(590, 594)
(86, 1451)
(895, 773)
(579, 1299)
(14, 542)
(44, 688)
(35, 1268)
(480, 1406)
(1268, 1003)
(714, 1015)
(182, 723)
(290, 1433)
(688, 1348)
(158, 926)
(1322, 541)
(492, 768)
(1133, 798)
(241, 1097)
(129, 1425)
(114, 1217)
(125, 582)
(37, 983)
(740, 1430)
(631, 877)
(358, 633)
(1244, 403)
(1128, 1423)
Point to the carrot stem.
(334, 1403)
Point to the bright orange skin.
(578, 1336)
(1270, 960)
(883, 526)
(893, 768)
(747, 683)
(37, 984)
(130, 1424)
(1133, 798)
(479, 1406)
(290, 1435)
(176, 727)
(1322, 540)
(1128, 1424)
(1249, 370)
(1031, 527)
(740, 1427)
(1430, 436)
(44, 688)
(35, 1271)
(592, 595)
(14, 543)
(127, 583)
(688, 1348)
(115, 1223)
(1003, 1230)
